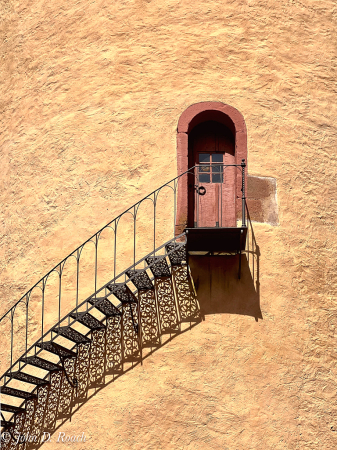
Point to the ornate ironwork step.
(159, 266)
(88, 320)
(22, 376)
(6, 424)
(122, 292)
(57, 349)
(72, 335)
(41, 363)
(178, 253)
(105, 306)
(140, 279)
(12, 409)
(17, 393)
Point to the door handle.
(200, 190)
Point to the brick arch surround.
(192, 116)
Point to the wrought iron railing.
(85, 273)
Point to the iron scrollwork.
(149, 322)
(168, 315)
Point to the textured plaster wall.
(91, 93)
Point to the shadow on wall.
(112, 352)
(166, 311)
(220, 291)
(218, 288)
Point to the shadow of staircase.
(54, 371)
(105, 340)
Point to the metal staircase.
(116, 328)
(105, 334)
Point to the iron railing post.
(96, 260)
(134, 234)
(243, 165)
(154, 223)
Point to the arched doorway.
(211, 194)
(210, 130)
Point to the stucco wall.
(91, 93)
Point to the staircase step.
(178, 253)
(72, 335)
(5, 424)
(41, 363)
(57, 349)
(12, 409)
(140, 279)
(105, 306)
(17, 393)
(88, 320)
(122, 292)
(25, 377)
(159, 266)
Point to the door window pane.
(217, 157)
(204, 178)
(204, 168)
(216, 168)
(217, 178)
(204, 157)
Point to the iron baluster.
(96, 256)
(27, 302)
(154, 223)
(175, 206)
(134, 234)
(77, 275)
(60, 291)
(12, 336)
(243, 165)
(115, 247)
(42, 324)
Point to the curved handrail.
(103, 228)
(176, 239)
(114, 226)
(92, 237)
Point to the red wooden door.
(214, 195)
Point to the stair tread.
(72, 335)
(177, 253)
(11, 408)
(25, 377)
(5, 424)
(41, 363)
(88, 320)
(140, 279)
(105, 306)
(159, 266)
(57, 349)
(17, 393)
(122, 292)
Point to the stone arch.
(192, 116)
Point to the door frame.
(192, 116)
